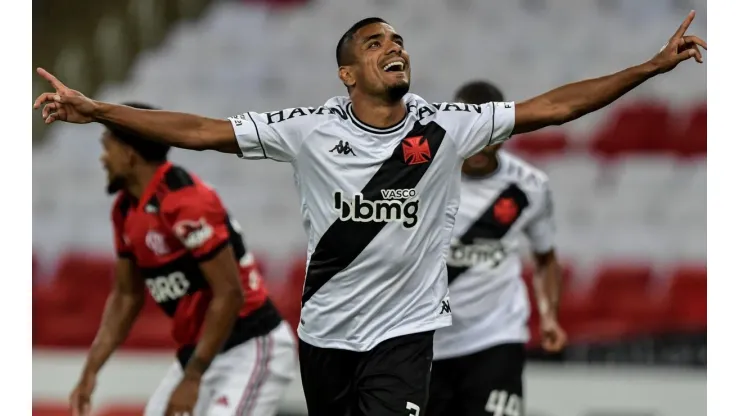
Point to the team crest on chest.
(505, 210)
(155, 241)
(416, 150)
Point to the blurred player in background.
(378, 173)
(175, 240)
(479, 360)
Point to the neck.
(377, 112)
(140, 179)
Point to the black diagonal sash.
(345, 240)
(488, 226)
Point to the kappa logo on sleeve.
(193, 234)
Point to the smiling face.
(376, 63)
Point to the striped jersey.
(378, 207)
(497, 215)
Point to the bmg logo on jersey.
(396, 205)
(491, 252)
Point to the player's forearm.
(219, 322)
(182, 130)
(119, 315)
(575, 100)
(547, 285)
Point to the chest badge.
(505, 210)
(416, 150)
(156, 243)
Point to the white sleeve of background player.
(541, 231)
(276, 135)
(474, 127)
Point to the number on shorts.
(414, 408)
(501, 403)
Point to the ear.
(132, 156)
(347, 76)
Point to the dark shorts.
(391, 379)
(486, 383)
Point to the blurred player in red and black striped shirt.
(175, 240)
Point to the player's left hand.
(679, 48)
(183, 398)
(554, 337)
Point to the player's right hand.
(79, 400)
(64, 104)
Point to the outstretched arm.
(572, 101)
(182, 130)
(187, 131)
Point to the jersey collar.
(376, 130)
(151, 188)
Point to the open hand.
(64, 104)
(680, 47)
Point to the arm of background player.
(575, 100)
(121, 309)
(197, 218)
(222, 275)
(547, 283)
(547, 277)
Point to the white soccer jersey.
(484, 268)
(378, 207)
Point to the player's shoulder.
(180, 186)
(526, 175)
(453, 112)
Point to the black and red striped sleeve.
(196, 216)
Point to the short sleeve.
(276, 135)
(541, 230)
(198, 220)
(474, 127)
(120, 240)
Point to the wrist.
(192, 376)
(195, 368)
(547, 311)
(650, 68)
(100, 110)
(89, 374)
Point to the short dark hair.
(479, 92)
(149, 150)
(343, 55)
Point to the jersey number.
(501, 403)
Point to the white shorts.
(249, 379)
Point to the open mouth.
(395, 66)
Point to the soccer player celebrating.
(175, 240)
(479, 360)
(378, 173)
